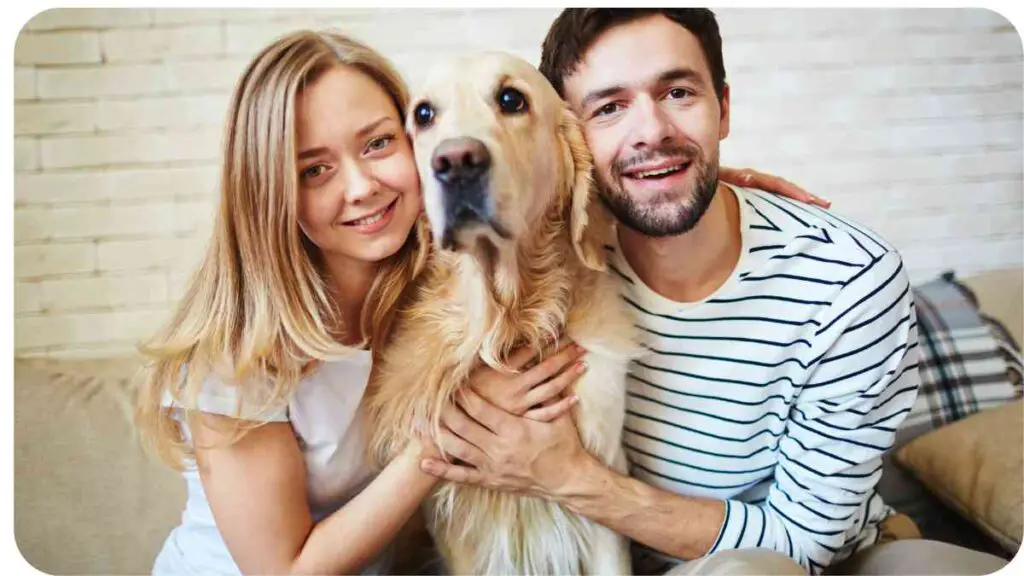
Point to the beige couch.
(88, 501)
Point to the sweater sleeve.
(861, 383)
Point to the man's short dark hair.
(576, 29)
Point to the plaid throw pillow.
(966, 363)
(1010, 351)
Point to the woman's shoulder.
(257, 399)
(215, 389)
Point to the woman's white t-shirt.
(325, 413)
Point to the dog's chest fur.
(456, 319)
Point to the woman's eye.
(380, 143)
(314, 171)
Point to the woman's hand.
(536, 392)
(769, 183)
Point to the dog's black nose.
(460, 160)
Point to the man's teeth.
(650, 173)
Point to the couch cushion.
(88, 500)
(964, 369)
(1000, 295)
(976, 466)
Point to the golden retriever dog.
(520, 238)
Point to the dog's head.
(495, 147)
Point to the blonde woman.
(318, 215)
(255, 384)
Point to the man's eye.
(679, 93)
(609, 108)
(380, 143)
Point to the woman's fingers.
(553, 388)
(552, 411)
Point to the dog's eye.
(511, 101)
(423, 115)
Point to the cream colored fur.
(477, 305)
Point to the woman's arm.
(257, 492)
(769, 183)
(257, 486)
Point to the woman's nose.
(361, 183)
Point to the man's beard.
(671, 216)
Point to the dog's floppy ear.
(589, 221)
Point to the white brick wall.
(135, 45)
(57, 48)
(910, 121)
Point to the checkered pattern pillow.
(1011, 352)
(967, 363)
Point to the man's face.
(653, 123)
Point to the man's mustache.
(684, 153)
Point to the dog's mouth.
(466, 236)
(469, 218)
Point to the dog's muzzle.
(462, 167)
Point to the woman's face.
(359, 193)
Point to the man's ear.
(589, 221)
(723, 121)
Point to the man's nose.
(653, 127)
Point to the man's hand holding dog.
(505, 452)
(502, 451)
(512, 431)
(535, 390)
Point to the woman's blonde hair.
(257, 311)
